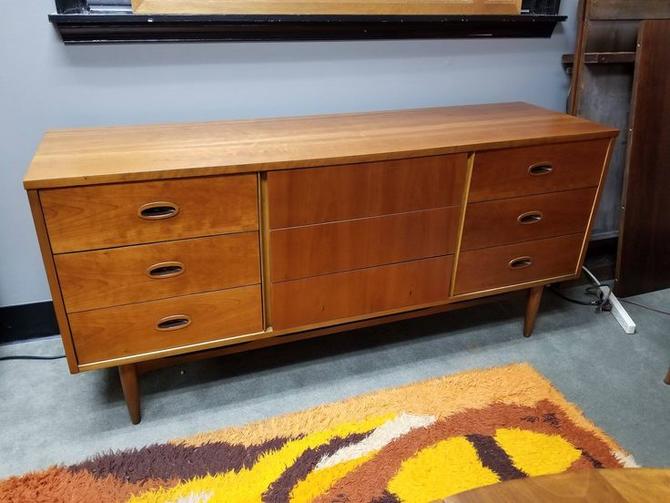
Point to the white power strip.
(621, 315)
(618, 311)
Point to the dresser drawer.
(506, 221)
(312, 250)
(357, 293)
(499, 174)
(317, 195)
(103, 216)
(501, 266)
(120, 331)
(125, 275)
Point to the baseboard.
(28, 321)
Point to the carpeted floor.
(416, 444)
(49, 416)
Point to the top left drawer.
(105, 216)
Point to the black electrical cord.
(600, 299)
(30, 357)
(654, 309)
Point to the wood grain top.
(612, 485)
(72, 157)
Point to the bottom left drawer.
(116, 332)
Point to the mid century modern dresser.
(195, 240)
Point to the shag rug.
(416, 443)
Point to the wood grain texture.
(631, 485)
(115, 332)
(532, 308)
(105, 278)
(131, 391)
(312, 250)
(626, 10)
(85, 218)
(488, 268)
(644, 246)
(91, 156)
(52, 278)
(368, 7)
(494, 223)
(318, 195)
(505, 173)
(335, 297)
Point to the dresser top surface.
(73, 157)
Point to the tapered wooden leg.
(131, 390)
(667, 377)
(534, 297)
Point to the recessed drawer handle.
(520, 263)
(174, 322)
(530, 217)
(541, 168)
(158, 210)
(165, 270)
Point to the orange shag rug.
(416, 443)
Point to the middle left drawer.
(130, 274)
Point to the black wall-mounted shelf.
(112, 21)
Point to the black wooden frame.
(78, 23)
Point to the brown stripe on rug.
(280, 490)
(176, 461)
(494, 457)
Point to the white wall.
(45, 84)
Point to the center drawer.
(129, 274)
(329, 194)
(311, 250)
(104, 216)
(363, 292)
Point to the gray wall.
(44, 84)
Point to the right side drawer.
(506, 221)
(498, 267)
(512, 172)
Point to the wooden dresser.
(207, 239)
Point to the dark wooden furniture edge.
(83, 28)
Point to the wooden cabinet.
(168, 243)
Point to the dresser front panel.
(105, 216)
(300, 252)
(333, 297)
(516, 264)
(318, 195)
(513, 172)
(125, 275)
(116, 332)
(506, 221)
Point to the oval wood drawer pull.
(520, 263)
(530, 217)
(158, 210)
(164, 270)
(174, 322)
(540, 168)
